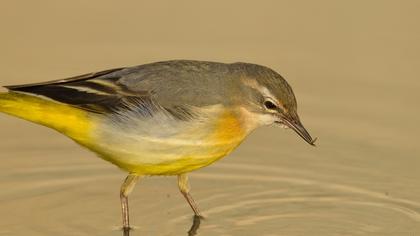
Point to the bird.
(165, 118)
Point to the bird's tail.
(22, 106)
(10, 103)
(64, 118)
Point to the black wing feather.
(74, 79)
(75, 91)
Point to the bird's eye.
(270, 105)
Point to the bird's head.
(270, 99)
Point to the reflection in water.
(126, 231)
(193, 230)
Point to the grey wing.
(98, 92)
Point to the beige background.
(354, 66)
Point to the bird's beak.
(296, 125)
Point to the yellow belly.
(193, 147)
(227, 134)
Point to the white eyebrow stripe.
(264, 91)
(255, 85)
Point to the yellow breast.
(228, 128)
(227, 131)
(195, 145)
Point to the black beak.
(297, 126)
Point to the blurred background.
(354, 67)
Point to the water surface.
(354, 67)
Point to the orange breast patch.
(229, 128)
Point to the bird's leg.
(126, 189)
(184, 187)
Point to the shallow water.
(354, 68)
(289, 195)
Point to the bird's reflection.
(126, 231)
(192, 232)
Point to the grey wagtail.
(163, 118)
